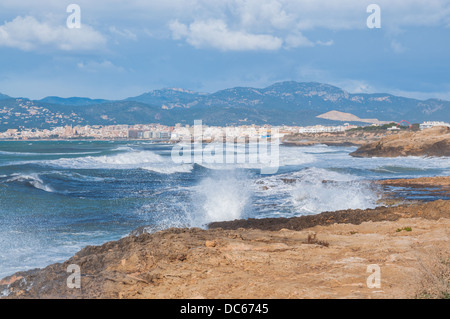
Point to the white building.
(324, 129)
(430, 124)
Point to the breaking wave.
(221, 196)
(315, 190)
(131, 159)
(32, 180)
(320, 190)
(45, 154)
(169, 169)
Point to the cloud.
(179, 30)
(326, 43)
(298, 40)
(264, 23)
(271, 13)
(397, 47)
(355, 86)
(93, 66)
(125, 33)
(215, 34)
(27, 33)
(277, 14)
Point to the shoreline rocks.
(348, 138)
(429, 142)
(272, 259)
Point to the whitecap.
(31, 179)
(127, 160)
(315, 190)
(46, 154)
(220, 196)
(170, 169)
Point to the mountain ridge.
(282, 103)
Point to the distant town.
(178, 132)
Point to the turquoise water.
(57, 197)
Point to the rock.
(429, 210)
(178, 263)
(347, 138)
(210, 243)
(429, 142)
(10, 280)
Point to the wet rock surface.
(423, 188)
(431, 210)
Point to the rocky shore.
(347, 138)
(429, 142)
(437, 186)
(316, 256)
(437, 182)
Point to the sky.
(126, 48)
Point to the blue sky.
(125, 48)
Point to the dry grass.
(312, 239)
(435, 281)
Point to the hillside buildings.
(430, 124)
(175, 133)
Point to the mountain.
(310, 97)
(76, 101)
(168, 98)
(283, 103)
(4, 97)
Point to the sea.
(57, 197)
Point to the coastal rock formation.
(439, 185)
(321, 256)
(437, 181)
(346, 138)
(432, 210)
(429, 142)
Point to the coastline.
(347, 138)
(261, 258)
(428, 142)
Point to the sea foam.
(30, 179)
(223, 195)
(131, 159)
